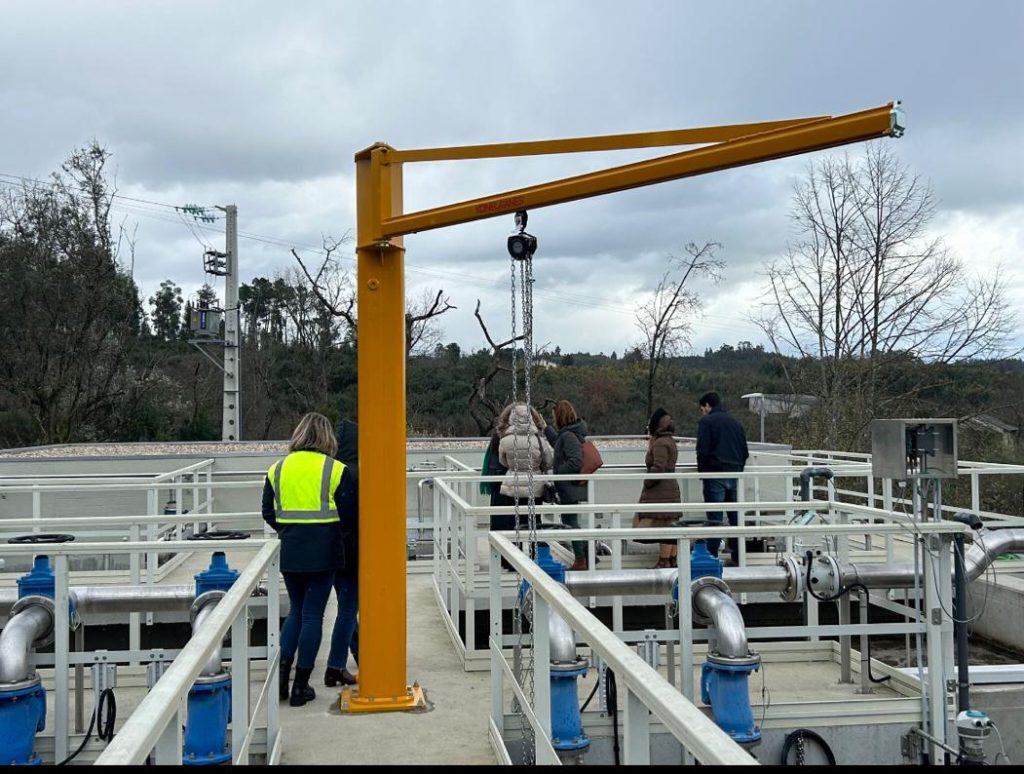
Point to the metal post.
(845, 667)
(541, 673)
(60, 658)
(152, 557)
(134, 572)
(617, 565)
(865, 657)
(232, 428)
(80, 681)
(273, 655)
(167, 751)
(933, 619)
(685, 610)
(382, 434)
(636, 741)
(960, 625)
(240, 686)
(497, 673)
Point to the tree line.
(867, 314)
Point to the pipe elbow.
(17, 641)
(725, 616)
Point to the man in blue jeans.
(721, 448)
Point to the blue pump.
(209, 699)
(567, 735)
(206, 728)
(723, 681)
(23, 708)
(22, 716)
(723, 686)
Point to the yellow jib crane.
(380, 227)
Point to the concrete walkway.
(453, 732)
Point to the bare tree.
(665, 322)
(334, 289)
(421, 333)
(483, 407)
(865, 287)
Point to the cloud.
(264, 106)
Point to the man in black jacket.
(721, 447)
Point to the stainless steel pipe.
(730, 631)
(988, 545)
(16, 641)
(213, 665)
(119, 599)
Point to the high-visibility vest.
(304, 483)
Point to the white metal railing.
(937, 633)
(645, 691)
(146, 530)
(156, 724)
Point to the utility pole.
(205, 321)
(232, 427)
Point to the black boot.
(332, 677)
(301, 692)
(284, 676)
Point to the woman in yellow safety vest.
(309, 499)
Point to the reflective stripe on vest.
(303, 470)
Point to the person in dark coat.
(308, 500)
(345, 634)
(721, 447)
(566, 439)
(661, 458)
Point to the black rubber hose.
(845, 590)
(103, 718)
(611, 695)
(805, 733)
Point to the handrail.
(140, 487)
(699, 734)
(181, 471)
(126, 520)
(162, 704)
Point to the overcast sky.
(263, 104)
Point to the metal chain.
(801, 759)
(522, 658)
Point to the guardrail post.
(37, 505)
(152, 557)
(975, 492)
(60, 658)
(617, 565)
(496, 638)
(167, 751)
(240, 687)
(541, 673)
(273, 656)
(636, 743)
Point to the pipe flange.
(795, 588)
(697, 585)
(39, 601)
(221, 677)
(32, 681)
(204, 599)
(569, 666)
(752, 658)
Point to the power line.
(591, 302)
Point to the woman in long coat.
(661, 458)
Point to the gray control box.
(913, 448)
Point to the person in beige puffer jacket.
(523, 449)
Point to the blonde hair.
(565, 414)
(314, 433)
